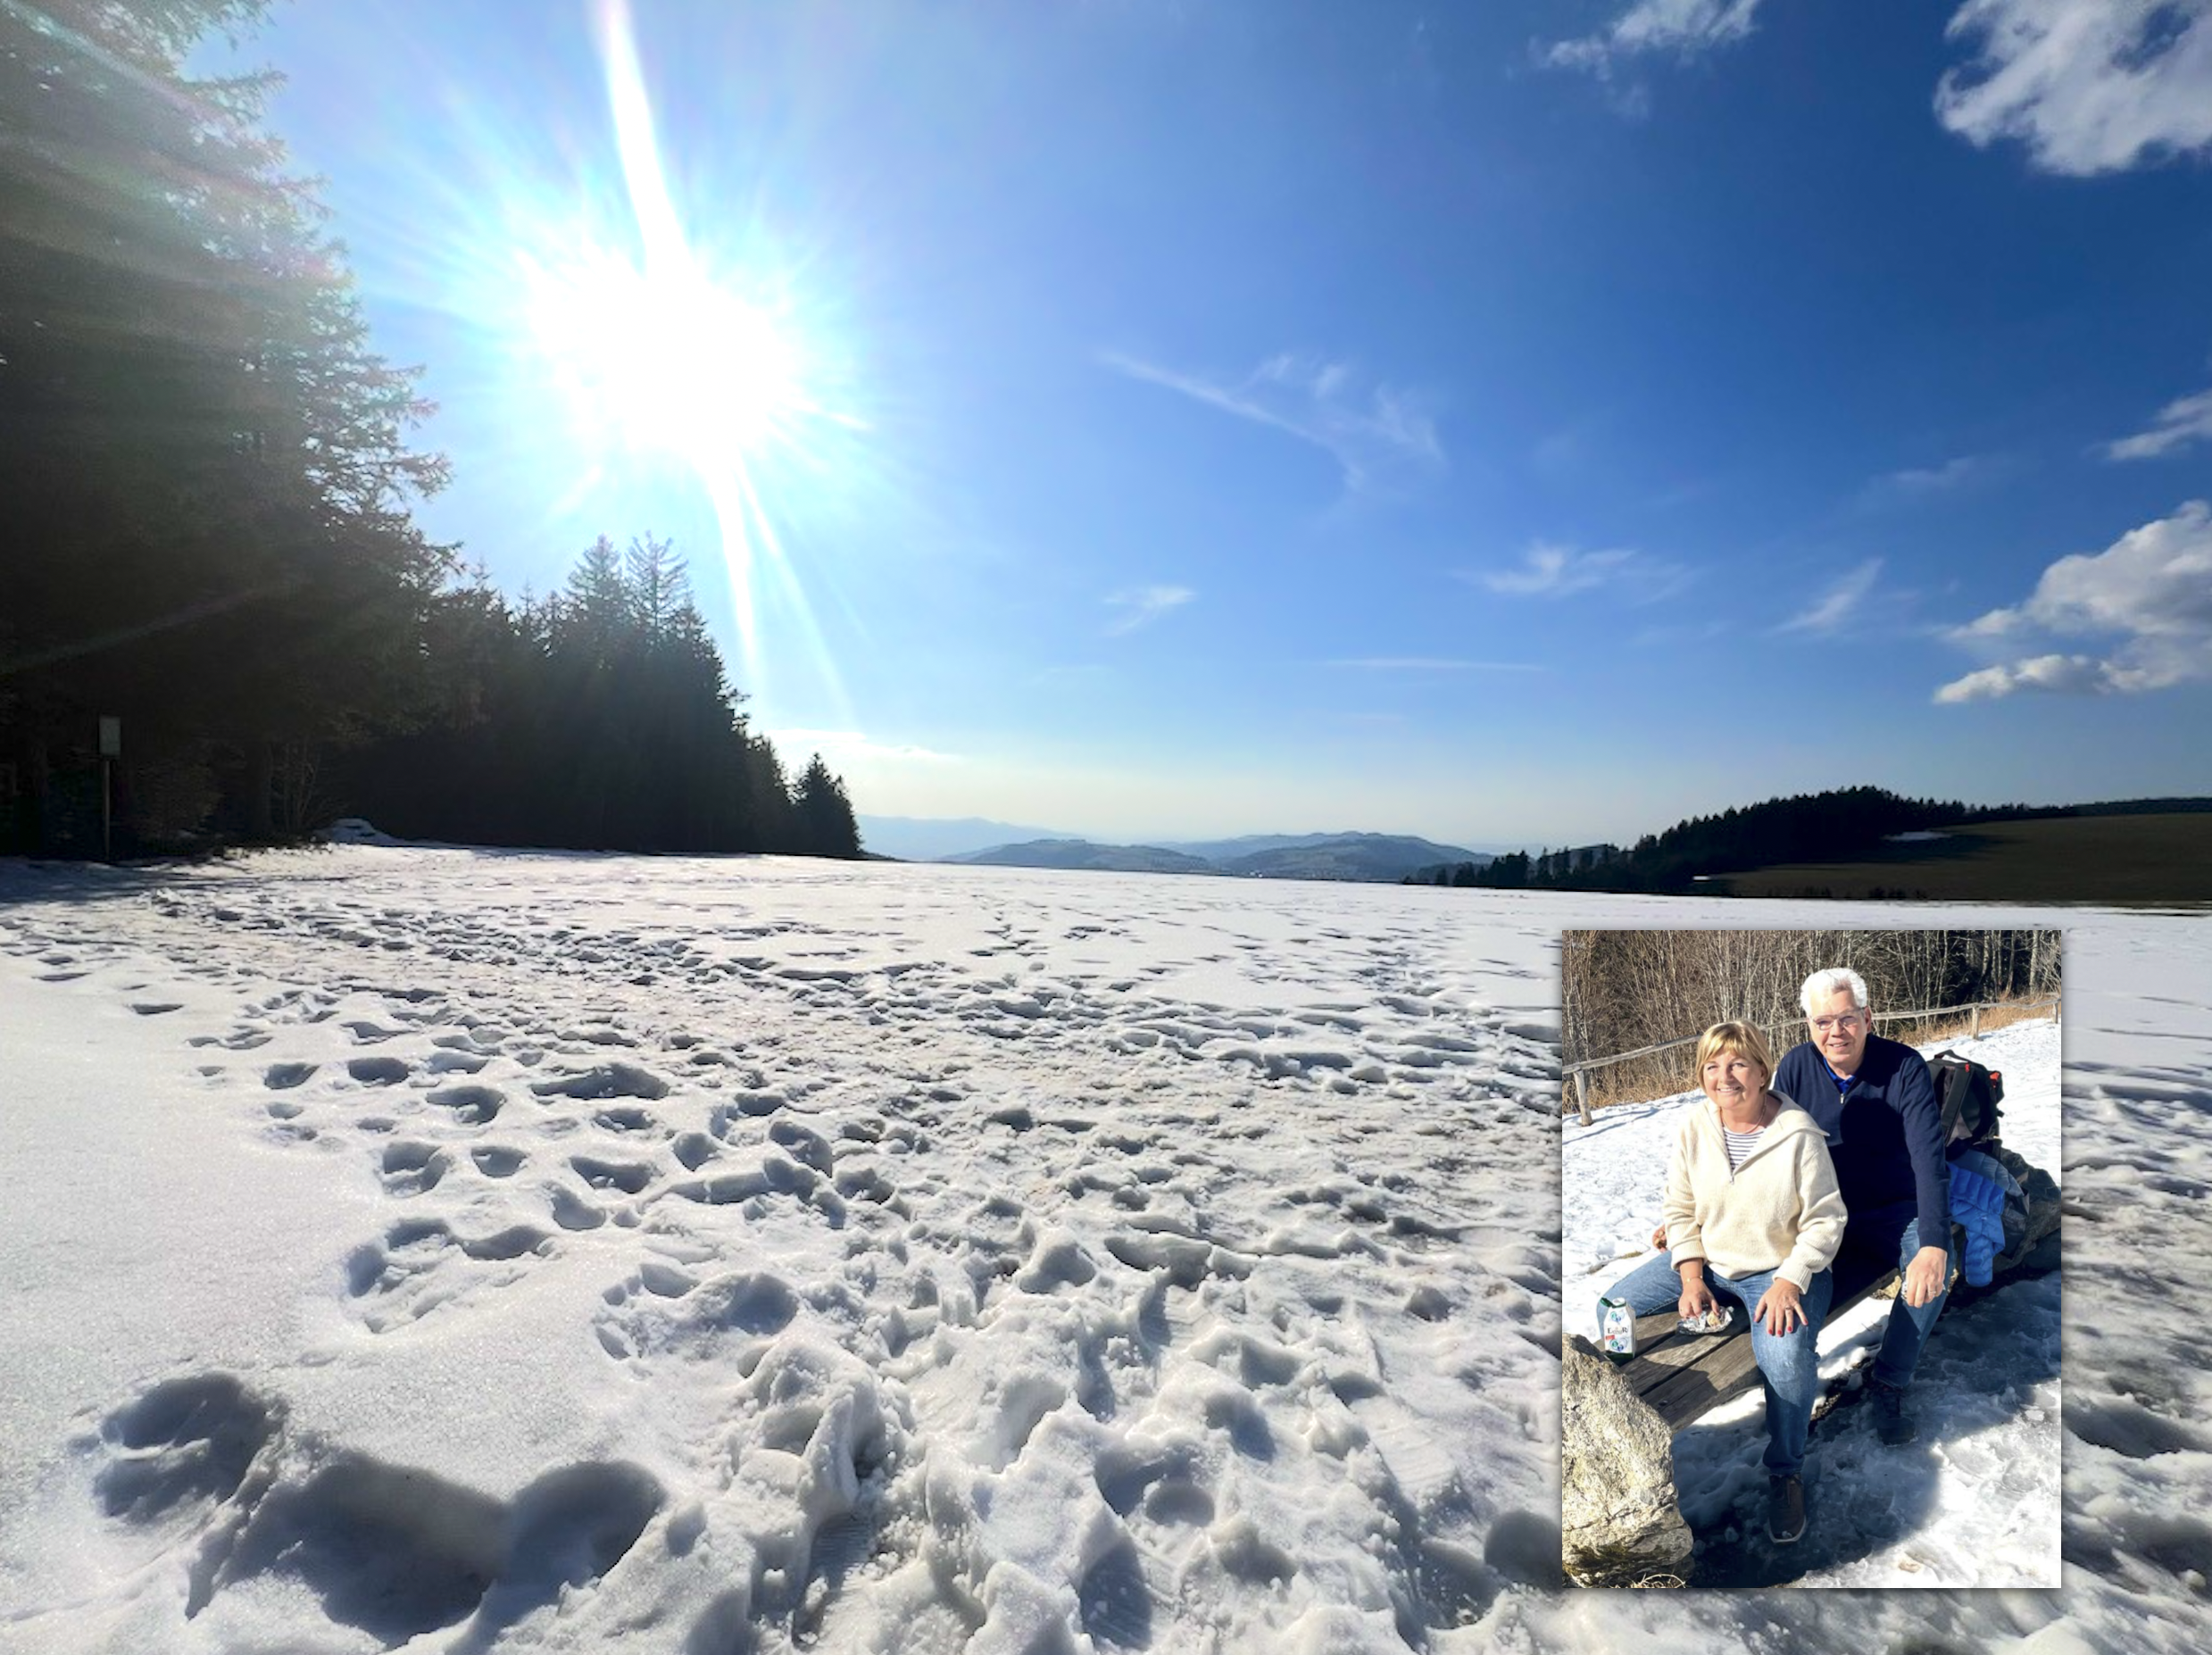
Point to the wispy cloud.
(1839, 602)
(1549, 569)
(1917, 483)
(845, 745)
(1674, 28)
(1434, 663)
(1140, 606)
(2185, 421)
(1371, 429)
(2088, 86)
(2146, 599)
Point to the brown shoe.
(1785, 1508)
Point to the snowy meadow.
(442, 1249)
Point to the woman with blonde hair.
(1753, 1219)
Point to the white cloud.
(1549, 569)
(2149, 595)
(1140, 606)
(2089, 86)
(2077, 674)
(1681, 28)
(1369, 430)
(1839, 602)
(846, 745)
(2186, 420)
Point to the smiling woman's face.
(1732, 1080)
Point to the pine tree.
(659, 583)
(207, 481)
(826, 822)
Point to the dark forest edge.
(208, 496)
(1846, 843)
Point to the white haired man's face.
(1840, 1029)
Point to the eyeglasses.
(1847, 1022)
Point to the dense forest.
(212, 570)
(1836, 826)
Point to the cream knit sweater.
(1780, 1210)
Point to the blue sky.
(1514, 423)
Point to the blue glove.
(1978, 1203)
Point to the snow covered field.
(453, 1251)
(1974, 1502)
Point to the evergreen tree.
(207, 481)
(601, 719)
(825, 823)
(660, 584)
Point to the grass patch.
(2125, 861)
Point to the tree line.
(207, 500)
(1836, 826)
(597, 717)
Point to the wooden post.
(1975, 1031)
(111, 750)
(1582, 1094)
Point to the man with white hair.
(1876, 1101)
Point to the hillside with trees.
(208, 496)
(1808, 827)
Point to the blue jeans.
(1875, 1241)
(1789, 1365)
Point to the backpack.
(1967, 1094)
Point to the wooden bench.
(1682, 1377)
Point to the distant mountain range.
(1377, 857)
(933, 838)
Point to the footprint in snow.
(422, 1265)
(473, 1105)
(183, 1443)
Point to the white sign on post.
(110, 737)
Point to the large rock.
(1618, 1522)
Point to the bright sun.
(653, 347)
(668, 360)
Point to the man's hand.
(1659, 1238)
(1923, 1276)
(1780, 1309)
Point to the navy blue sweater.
(1885, 1133)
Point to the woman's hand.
(1696, 1299)
(1780, 1309)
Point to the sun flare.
(655, 341)
(669, 361)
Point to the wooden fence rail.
(1580, 1072)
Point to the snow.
(1974, 1502)
(435, 1250)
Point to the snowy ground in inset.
(1973, 1501)
(432, 1250)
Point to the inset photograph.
(1810, 1250)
